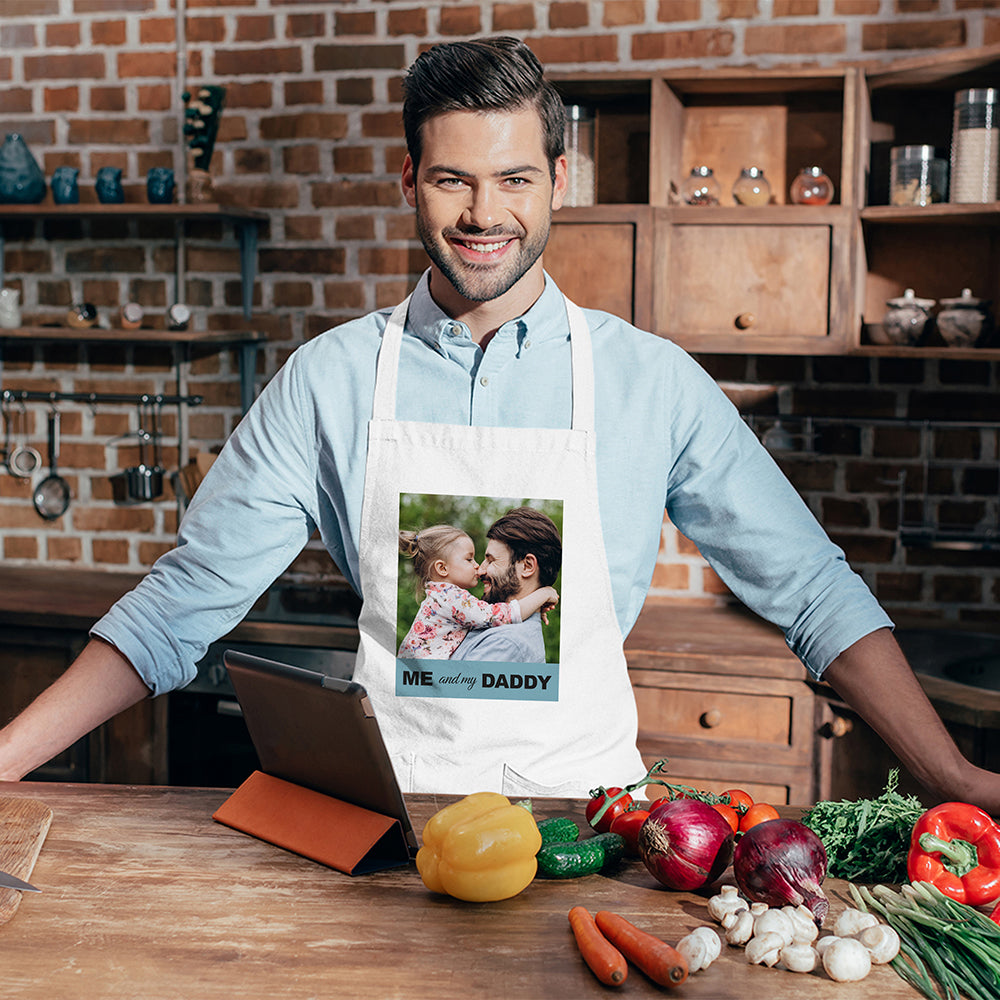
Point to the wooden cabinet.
(779, 278)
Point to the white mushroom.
(694, 951)
(824, 942)
(711, 939)
(740, 929)
(882, 943)
(774, 922)
(728, 901)
(799, 957)
(852, 922)
(758, 908)
(765, 949)
(847, 961)
(804, 929)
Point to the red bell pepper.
(956, 847)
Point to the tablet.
(319, 732)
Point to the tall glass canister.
(975, 146)
(579, 140)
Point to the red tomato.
(741, 801)
(759, 813)
(603, 825)
(729, 814)
(626, 825)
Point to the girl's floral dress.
(446, 616)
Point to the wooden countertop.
(145, 896)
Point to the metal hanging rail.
(95, 398)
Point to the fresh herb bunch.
(867, 840)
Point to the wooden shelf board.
(132, 210)
(140, 336)
(963, 214)
(951, 353)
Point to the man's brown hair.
(525, 530)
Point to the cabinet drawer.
(755, 280)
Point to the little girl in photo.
(444, 560)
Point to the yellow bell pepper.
(479, 849)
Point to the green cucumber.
(558, 830)
(583, 857)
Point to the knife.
(10, 882)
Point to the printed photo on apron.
(476, 619)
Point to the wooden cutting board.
(23, 826)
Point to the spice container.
(906, 317)
(579, 140)
(916, 176)
(811, 187)
(964, 321)
(751, 187)
(975, 146)
(701, 187)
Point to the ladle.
(52, 493)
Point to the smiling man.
(486, 382)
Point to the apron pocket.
(517, 785)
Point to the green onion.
(948, 949)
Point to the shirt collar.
(545, 319)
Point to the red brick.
(301, 159)
(155, 97)
(678, 10)
(118, 6)
(384, 125)
(78, 66)
(303, 227)
(623, 12)
(154, 64)
(19, 36)
(941, 34)
(62, 35)
(304, 125)
(254, 94)
(356, 90)
(344, 295)
(303, 260)
(899, 586)
(569, 14)
(391, 260)
(738, 9)
(252, 161)
(108, 32)
(292, 294)
(110, 551)
(107, 99)
(303, 92)
(515, 16)
(205, 29)
(258, 61)
(113, 519)
(17, 100)
(579, 48)
(671, 576)
(963, 589)
(354, 23)
(355, 227)
(795, 8)
(16, 547)
(700, 43)
(916, 6)
(255, 28)
(116, 131)
(60, 548)
(348, 194)
(157, 31)
(328, 58)
(460, 20)
(353, 159)
(412, 21)
(401, 227)
(62, 98)
(306, 25)
(794, 38)
(149, 552)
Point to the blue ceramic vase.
(65, 190)
(109, 186)
(21, 179)
(160, 186)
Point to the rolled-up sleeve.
(728, 496)
(252, 514)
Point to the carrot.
(664, 965)
(604, 959)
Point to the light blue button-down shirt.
(667, 437)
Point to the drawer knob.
(745, 320)
(711, 718)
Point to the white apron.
(458, 727)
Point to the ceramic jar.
(65, 188)
(160, 186)
(964, 321)
(21, 179)
(906, 318)
(109, 186)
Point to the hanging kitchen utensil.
(22, 459)
(144, 482)
(52, 493)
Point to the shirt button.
(455, 330)
(484, 380)
(527, 343)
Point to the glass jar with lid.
(916, 176)
(579, 141)
(752, 187)
(811, 187)
(701, 187)
(975, 145)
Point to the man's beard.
(482, 282)
(503, 587)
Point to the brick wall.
(311, 134)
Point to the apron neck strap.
(387, 369)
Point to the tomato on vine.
(598, 798)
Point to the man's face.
(484, 198)
(501, 580)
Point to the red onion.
(782, 862)
(685, 844)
